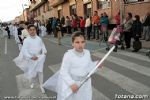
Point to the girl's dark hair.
(95, 11)
(31, 25)
(130, 15)
(77, 34)
(137, 17)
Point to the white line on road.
(127, 64)
(5, 52)
(25, 90)
(124, 82)
(134, 55)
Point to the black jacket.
(147, 21)
(136, 28)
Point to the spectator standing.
(95, 23)
(146, 27)
(127, 29)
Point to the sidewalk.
(91, 45)
(145, 44)
(66, 41)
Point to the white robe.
(15, 31)
(4, 32)
(31, 47)
(43, 31)
(73, 70)
(11, 29)
(24, 34)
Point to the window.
(133, 1)
(47, 6)
(34, 13)
(60, 13)
(72, 9)
(44, 8)
(103, 4)
(87, 9)
(39, 12)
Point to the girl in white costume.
(75, 66)
(32, 57)
(43, 30)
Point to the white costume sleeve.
(25, 50)
(64, 71)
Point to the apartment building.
(25, 16)
(40, 10)
(44, 9)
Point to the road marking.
(123, 63)
(124, 82)
(25, 90)
(98, 95)
(5, 52)
(134, 55)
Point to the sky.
(9, 9)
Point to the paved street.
(124, 73)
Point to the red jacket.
(117, 19)
(82, 23)
(74, 23)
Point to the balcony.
(37, 4)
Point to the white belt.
(78, 78)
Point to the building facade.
(40, 10)
(25, 16)
(44, 9)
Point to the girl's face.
(32, 31)
(79, 43)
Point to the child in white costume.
(43, 30)
(75, 66)
(32, 57)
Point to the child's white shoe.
(32, 86)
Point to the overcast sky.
(9, 9)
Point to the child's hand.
(34, 58)
(74, 88)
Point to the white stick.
(99, 63)
(5, 45)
